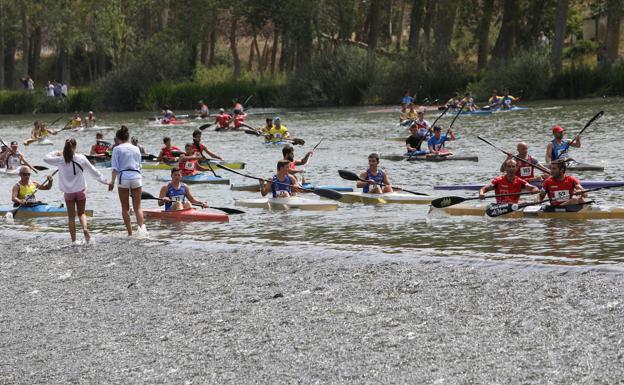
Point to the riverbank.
(136, 311)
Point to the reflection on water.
(401, 230)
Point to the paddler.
(375, 180)
(101, 148)
(23, 192)
(288, 152)
(239, 119)
(90, 119)
(199, 147)
(278, 132)
(420, 123)
(203, 110)
(454, 102)
(436, 142)
(556, 147)
(167, 152)
(410, 115)
(508, 183)
(12, 159)
(494, 101)
(35, 133)
(76, 121)
(407, 98)
(283, 184)
(266, 130)
(561, 188)
(468, 102)
(168, 115)
(507, 100)
(413, 142)
(188, 163)
(237, 107)
(135, 142)
(176, 195)
(525, 169)
(222, 120)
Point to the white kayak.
(43, 142)
(387, 198)
(287, 204)
(13, 171)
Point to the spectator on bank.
(30, 84)
(542, 40)
(50, 89)
(64, 92)
(57, 89)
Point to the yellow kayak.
(211, 164)
(586, 212)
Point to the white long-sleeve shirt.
(71, 177)
(126, 159)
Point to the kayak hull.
(387, 198)
(187, 215)
(476, 187)
(435, 158)
(211, 164)
(587, 212)
(578, 166)
(39, 211)
(199, 179)
(287, 204)
(255, 187)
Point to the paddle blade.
(499, 210)
(327, 193)
(40, 168)
(443, 202)
(394, 158)
(252, 132)
(299, 142)
(228, 210)
(204, 126)
(348, 175)
(146, 195)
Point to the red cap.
(557, 128)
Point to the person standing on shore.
(71, 168)
(126, 164)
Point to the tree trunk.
(416, 18)
(560, 30)
(285, 52)
(373, 31)
(63, 74)
(2, 45)
(304, 46)
(9, 63)
(274, 49)
(213, 41)
(399, 39)
(614, 15)
(204, 50)
(25, 37)
(35, 52)
(346, 15)
(484, 34)
(233, 47)
(388, 23)
(443, 28)
(430, 16)
(252, 52)
(507, 36)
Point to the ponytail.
(69, 150)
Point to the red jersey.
(101, 147)
(168, 152)
(292, 166)
(525, 170)
(562, 191)
(503, 186)
(188, 167)
(223, 120)
(199, 148)
(239, 120)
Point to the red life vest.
(562, 191)
(503, 186)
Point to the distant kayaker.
(283, 184)
(90, 119)
(76, 121)
(407, 98)
(12, 159)
(167, 153)
(188, 163)
(23, 192)
(239, 119)
(126, 164)
(200, 149)
(420, 123)
(288, 152)
(168, 115)
(469, 103)
(176, 195)
(414, 142)
(410, 115)
(507, 100)
(222, 120)
(437, 141)
(454, 102)
(72, 183)
(561, 188)
(237, 107)
(266, 130)
(203, 110)
(557, 148)
(101, 148)
(525, 169)
(375, 180)
(494, 101)
(135, 142)
(508, 183)
(278, 131)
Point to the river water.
(350, 134)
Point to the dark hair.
(99, 135)
(561, 163)
(69, 150)
(287, 149)
(281, 163)
(196, 133)
(374, 155)
(123, 134)
(175, 169)
(437, 128)
(166, 139)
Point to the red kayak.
(177, 121)
(188, 215)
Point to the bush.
(21, 102)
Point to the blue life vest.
(284, 185)
(557, 149)
(176, 195)
(379, 178)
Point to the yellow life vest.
(278, 133)
(27, 192)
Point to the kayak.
(586, 212)
(13, 171)
(287, 204)
(205, 163)
(514, 108)
(476, 112)
(398, 109)
(173, 122)
(40, 210)
(280, 143)
(39, 141)
(198, 179)
(476, 187)
(255, 187)
(430, 158)
(187, 215)
(579, 166)
(387, 198)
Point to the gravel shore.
(149, 312)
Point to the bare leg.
(186, 205)
(71, 219)
(82, 217)
(124, 195)
(136, 204)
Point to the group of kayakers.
(495, 101)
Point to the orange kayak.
(188, 215)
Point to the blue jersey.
(407, 99)
(437, 143)
(176, 195)
(378, 178)
(284, 185)
(558, 148)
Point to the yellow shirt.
(27, 192)
(278, 133)
(266, 131)
(412, 114)
(76, 123)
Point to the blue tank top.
(557, 148)
(284, 185)
(378, 178)
(176, 195)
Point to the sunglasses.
(24, 173)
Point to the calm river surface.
(350, 134)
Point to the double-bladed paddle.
(434, 123)
(567, 145)
(204, 126)
(10, 214)
(350, 175)
(443, 202)
(227, 210)
(537, 166)
(296, 141)
(322, 192)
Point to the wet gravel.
(148, 312)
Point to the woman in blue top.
(436, 142)
(282, 185)
(126, 166)
(375, 181)
(177, 195)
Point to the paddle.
(204, 126)
(596, 117)
(36, 168)
(322, 192)
(537, 166)
(498, 210)
(10, 214)
(443, 202)
(295, 141)
(350, 175)
(434, 123)
(227, 210)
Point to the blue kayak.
(199, 178)
(38, 210)
(510, 109)
(280, 143)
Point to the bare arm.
(485, 189)
(265, 187)
(549, 149)
(361, 183)
(163, 196)
(14, 193)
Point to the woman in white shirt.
(71, 167)
(126, 166)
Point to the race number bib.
(525, 171)
(561, 195)
(177, 198)
(189, 166)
